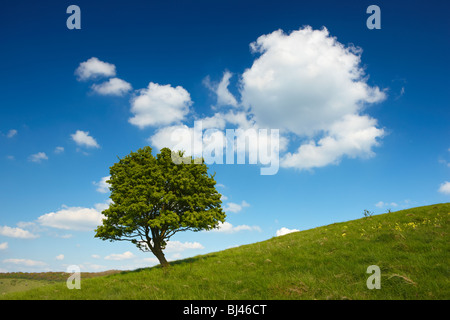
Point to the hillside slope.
(411, 248)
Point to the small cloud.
(11, 133)
(227, 227)
(444, 188)
(283, 231)
(120, 256)
(114, 87)
(177, 246)
(60, 257)
(235, 207)
(379, 204)
(38, 157)
(10, 157)
(59, 150)
(82, 138)
(94, 68)
(3, 245)
(95, 256)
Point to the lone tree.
(154, 198)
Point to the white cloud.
(235, 207)
(64, 236)
(11, 133)
(159, 105)
(353, 136)
(25, 262)
(73, 218)
(444, 187)
(120, 256)
(59, 150)
(114, 87)
(102, 185)
(95, 256)
(224, 96)
(16, 233)
(382, 204)
(227, 227)
(308, 84)
(38, 157)
(283, 231)
(3, 245)
(94, 68)
(177, 246)
(82, 138)
(59, 257)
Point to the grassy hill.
(411, 248)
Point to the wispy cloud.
(25, 262)
(59, 150)
(227, 227)
(120, 256)
(16, 233)
(11, 133)
(235, 207)
(224, 96)
(38, 157)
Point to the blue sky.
(363, 115)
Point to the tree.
(154, 198)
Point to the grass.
(330, 262)
(13, 285)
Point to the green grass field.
(411, 248)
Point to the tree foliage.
(153, 198)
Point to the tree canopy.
(153, 198)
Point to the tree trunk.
(162, 259)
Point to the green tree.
(153, 198)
